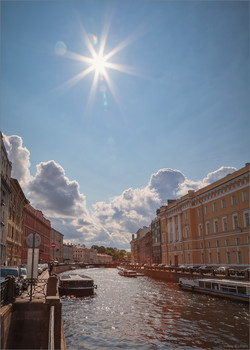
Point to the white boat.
(127, 273)
(73, 283)
(235, 290)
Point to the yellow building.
(209, 226)
(15, 224)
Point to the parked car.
(232, 272)
(221, 270)
(6, 271)
(161, 266)
(154, 265)
(181, 268)
(205, 269)
(243, 272)
(24, 277)
(193, 268)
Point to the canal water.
(144, 313)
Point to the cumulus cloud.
(109, 224)
(166, 183)
(214, 176)
(20, 158)
(54, 193)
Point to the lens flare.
(60, 48)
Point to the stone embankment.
(173, 275)
(36, 323)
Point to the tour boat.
(235, 290)
(127, 273)
(73, 283)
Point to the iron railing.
(5, 292)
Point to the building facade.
(209, 226)
(68, 253)
(104, 259)
(35, 222)
(84, 254)
(5, 171)
(56, 253)
(141, 246)
(156, 239)
(15, 224)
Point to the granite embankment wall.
(26, 324)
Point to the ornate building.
(209, 226)
(15, 224)
(5, 169)
(141, 246)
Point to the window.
(199, 212)
(217, 244)
(244, 196)
(207, 227)
(210, 258)
(200, 229)
(209, 245)
(201, 245)
(216, 226)
(186, 215)
(233, 199)
(186, 231)
(246, 219)
(218, 258)
(235, 221)
(237, 241)
(188, 258)
(239, 259)
(214, 207)
(227, 242)
(206, 209)
(202, 258)
(223, 204)
(224, 223)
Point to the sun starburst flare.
(99, 63)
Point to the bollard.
(52, 286)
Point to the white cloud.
(209, 179)
(20, 158)
(55, 194)
(109, 224)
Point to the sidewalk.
(38, 291)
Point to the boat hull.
(74, 283)
(220, 294)
(79, 292)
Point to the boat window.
(208, 285)
(226, 288)
(201, 284)
(242, 290)
(215, 286)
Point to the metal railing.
(36, 288)
(5, 292)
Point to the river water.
(144, 313)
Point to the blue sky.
(183, 105)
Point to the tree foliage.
(117, 254)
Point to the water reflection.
(142, 313)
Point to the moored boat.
(73, 283)
(127, 273)
(234, 290)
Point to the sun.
(99, 63)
